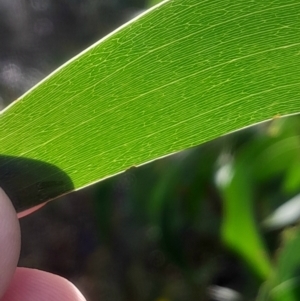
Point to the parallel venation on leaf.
(183, 73)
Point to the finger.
(36, 285)
(10, 241)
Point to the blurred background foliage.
(216, 222)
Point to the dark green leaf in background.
(239, 229)
(285, 282)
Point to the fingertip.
(35, 285)
(10, 241)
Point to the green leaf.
(286, 279)
(183, 73)
(239, 229)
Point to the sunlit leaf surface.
(185, 72)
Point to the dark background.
(37, 36)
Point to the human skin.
(24, 284)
